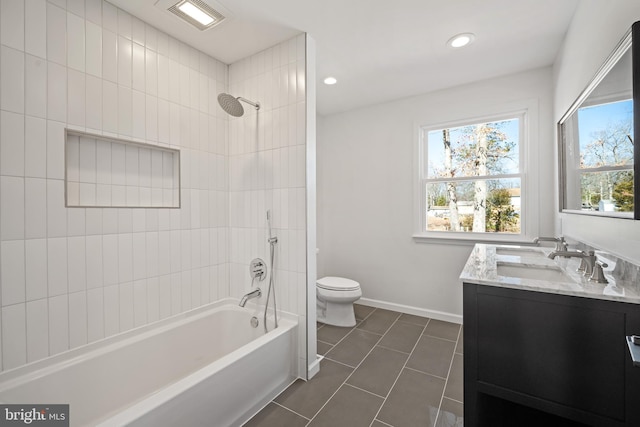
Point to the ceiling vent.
(197, 13)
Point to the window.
(472, 178)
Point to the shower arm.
(255, 104)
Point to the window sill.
(470, 239)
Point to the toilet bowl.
(334, 300)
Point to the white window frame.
(527, 113)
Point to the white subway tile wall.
(70, 276)
(267, 154)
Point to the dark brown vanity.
(540, 359)
(548, 352)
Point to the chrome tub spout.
(253, 294)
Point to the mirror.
(597, 149)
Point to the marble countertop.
(491, 264)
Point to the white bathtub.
(205, 367)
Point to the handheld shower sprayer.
(271, 239)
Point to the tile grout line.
(339, 362)
(446, 381)
(324, 342)
(400, 373)
(366, 391)
(288, 409)
(425, 373)
(354, 369)
(453, 400)
(443, 339)
(395, 350)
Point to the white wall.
(73, 276)
(365, 191)
(595, 30)
(267, 158)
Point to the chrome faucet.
(589, 264)
(253, 294)
(587, 259)
(561, 244)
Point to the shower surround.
(267, 160)
(72, 276)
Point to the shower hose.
(272, 244)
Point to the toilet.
(334, 300)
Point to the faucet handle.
(598, 273)
(586, 261)
(561, 244)
(583, 264)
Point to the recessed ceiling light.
(461, 40)
(330, 81)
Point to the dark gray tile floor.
(390, 370)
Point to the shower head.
(231, 104)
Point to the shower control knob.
(258, 269)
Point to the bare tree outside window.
(473, 178)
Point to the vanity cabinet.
(541, 359)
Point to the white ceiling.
(382, 50)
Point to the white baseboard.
(432, 314)
(314, 367)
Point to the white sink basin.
(521, 271)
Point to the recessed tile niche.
(110, 172)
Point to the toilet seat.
(337, 284)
